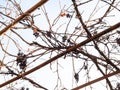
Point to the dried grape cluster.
(118, 41)
(21, 60)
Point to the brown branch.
(23, 16)
(63, 53)
(96, 80)
(34, 83)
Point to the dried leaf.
(63, 14)
(35, 32)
